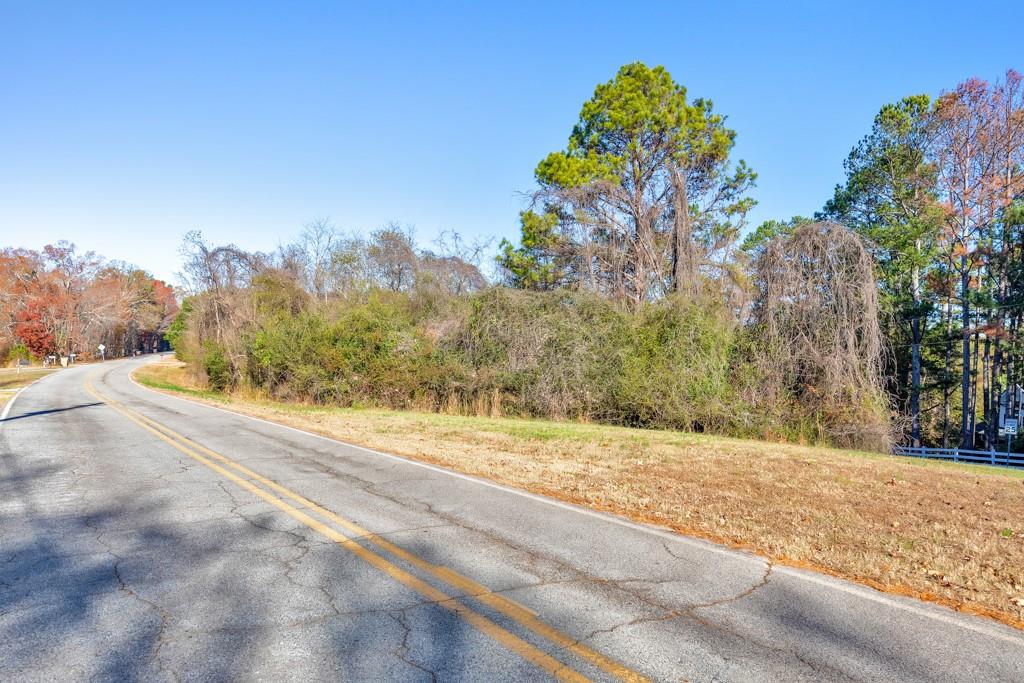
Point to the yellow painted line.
(501, 604)
(506, 638)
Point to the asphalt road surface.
(145, 537)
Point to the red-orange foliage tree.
(63, 301)
(32, 331)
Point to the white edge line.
(7, 406)
(932, 610)
(926, 609)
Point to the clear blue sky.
(122, 127)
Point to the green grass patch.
(153, 383)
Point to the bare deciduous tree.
(392, 257)
(817, 311)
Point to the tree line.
(60, 301)
(396, 326)
(644, 201)
(633, 297)
(636, 295)
(695, 342)
(937, 187)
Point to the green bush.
(217, 366)
(372, 352)
(176, 331)
(675, 367)
(676, 363)
(547, 354)
(572, 355)
(18, 351)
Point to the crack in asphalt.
(691, 613)
(533, 557)
(547, 578)
(160, 610)
(664, 545)
(402, 651)
(761, 583)
(647, 603)
(123, 586)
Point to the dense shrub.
(675, 368)
(571, 355)
(372, 352)
(216, 366)
(176, 331)
(542, 354)
(678, 363)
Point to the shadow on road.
(38, 413)
(122, 582)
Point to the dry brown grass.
(944, 532)
(11, 380)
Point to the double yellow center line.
(266, 489)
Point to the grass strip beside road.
(945, 532)
(11, 381)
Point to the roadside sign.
(1011, 409)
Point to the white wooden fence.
(964, 455)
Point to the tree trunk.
(1011, 364)
(986, 390)
(966, 438)
(915, 359)
(975, 372)
(683, 267)
(947, 374)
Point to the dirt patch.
(944, 532)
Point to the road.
(145, 537)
